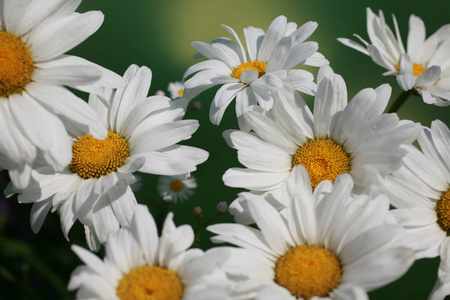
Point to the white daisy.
(332, 246)
(176, 188)
(355, 138)
(420, 191)
(251, 77)
(442, 287)
(95, 186)
(176, 89)
(34, 36)
(140, 265)
(423, 67)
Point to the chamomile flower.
(34, 36)
(354, 138)
(422, 67)
(420, 191)
(252, 76)
(140, 265)
(322, 246)
(176, 89)
(177, 188)
(95, 187)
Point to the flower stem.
(401, 99)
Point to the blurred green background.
(158, 34)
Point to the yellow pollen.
(323, 159)
(443, 212)
(181, 93)
(258, 66)
(92, 158)
(417, 69)
(176, 185)
(16, 65)
(308, 271)
(150, 283)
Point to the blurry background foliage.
(158, 34)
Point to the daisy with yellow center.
(321, 246)
(253, 76)
(176, 188)
(420, 67)
(33, 72)
(176, 89)
(339, 138)
(420, 192)
(156, 268)
(95, 186)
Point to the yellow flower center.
(180, 93)
(92, 158)
(16, 65)
(323, 159)
(417, 69)
(150, 283)
(308, 271)
(258, 66)
(443, 212)
(176, 185)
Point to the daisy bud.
(198, 212)
(160, 93)
(197, 105)
(222, 207)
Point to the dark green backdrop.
(158, 34)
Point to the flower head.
(176, 89)
(354, 138)
(140, 265)
(322, 245)
(252, 76)
(33, 70)
(95, 187)
(420, 191)
(177, 188)
(422, 67)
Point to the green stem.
(401, 99)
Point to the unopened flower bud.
(160, 93)
(222, 207)
(198, 211)
(197, 105)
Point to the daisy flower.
(176, 188)
(420, 191)
(354, 138)
(252, 76)
(176, 89)
(34, 36)
(335, 246)
(95, 187)
(140, 265)
(423, 67)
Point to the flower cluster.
(339, 201)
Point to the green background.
(158, 34)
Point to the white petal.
(57, 37)
(253, 180)
(416, 36)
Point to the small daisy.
(354, 138)
(34, 36)
(140, 265)
(335, 246)
(420, 191)
(176, 89)
(423, 67)
(95, 187)
(251, 77)
(176, 188)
